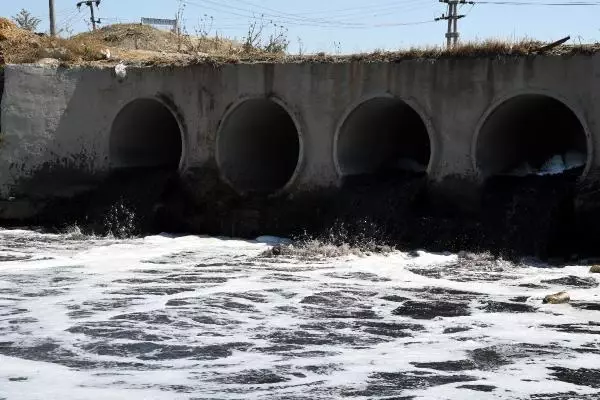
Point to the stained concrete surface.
(55, 150)
(63, 117)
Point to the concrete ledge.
(68, 128)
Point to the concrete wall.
(57, 122)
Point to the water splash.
(122, 221)
(361, 238)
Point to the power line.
(452, 17)
(398, 5)
(296, 20)
(90, 4)
(363, 9)
(334, 16)
(64, 24)
(530, 3)
(281, 18)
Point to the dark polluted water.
(549, 217)
(189, 317)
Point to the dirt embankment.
(145, 45)
(132, 43)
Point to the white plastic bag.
(121, 71)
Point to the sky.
(339, 26)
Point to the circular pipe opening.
(530, 134)
(383, 135)
(145, 134)
(258, 147)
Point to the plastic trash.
(106, 53)
(121, 71)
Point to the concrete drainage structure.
(243, 133)
(144, 134)
(528, 129)
(259, 146)
(382, 134)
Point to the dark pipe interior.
(259, 147)
(145, 134)
(528, 129)
(380, 135)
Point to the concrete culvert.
(258, 147)
(383, 135)
(1, 93)
(145, 134)
(531, 134)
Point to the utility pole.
(452, 17)
(52, 18)
(90, 4)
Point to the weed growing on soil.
(150, 46)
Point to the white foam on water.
(167, 317)
(555, 165)
(273, 240)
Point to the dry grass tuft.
(15, 41)
(132, 37)
(491, 48)
(145, 45)
(124, 42)
(21, 46)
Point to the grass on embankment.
(144, 45)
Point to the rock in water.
(276, 250)
(595, 269)
(557, 298)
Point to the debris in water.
(595, 269)
(276, 250)
(557, 298)
(555, 165)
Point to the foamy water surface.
(206, 318)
